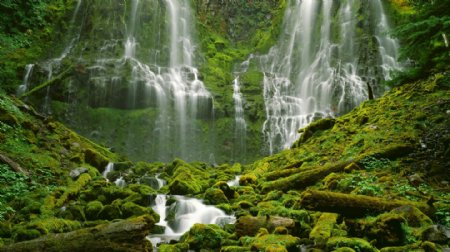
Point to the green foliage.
(373, 163)
(12, 185)
(425, 40)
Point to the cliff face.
(162, 79)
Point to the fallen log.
(303, 179)
(15, 166)
(125, 235)
(323, 228)
(354, 205)
(249, 225)
(59, 77)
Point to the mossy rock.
(202, 236)
(54, 225)
(262, 242)
(215, 196)
(110, 212)
(414, 216)
(130, 209)
(234, 249)
(183, 187)
(388, 229)
(178, 247)
(21, 233)
(92, 209)
(229, 192)
(247, 179)
(95, 159)
(354, 243)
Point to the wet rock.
(249, 225)
(202, 236)
(75, 173)
(92, 209)
(354, 243)
(413, 215)
(215, 196)
(272, 242)
(436, 233)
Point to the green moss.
(130, 209)
(215, 196)
(269, 240)
(179, 247)
(53, 225)
(323, 228)
(357, 244)
(202, 236)
(92, 210)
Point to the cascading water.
(109, 168)
(146, 64)
(240, 130)
(185, 212)
(329, 55)
(26, 80)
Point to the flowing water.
(328, 56)
(183, 214)
(151, 66)
(109, 168)
(23, 88)
(240, 130)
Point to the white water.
(173, 86)
(26, 80)
(120, 182)
(188, 211)
(109, 168)
(322, 66)
(234, 182)
(240, 130)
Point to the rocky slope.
(374, 179)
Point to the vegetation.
(424, 35)
(25, 29)
(375, 179)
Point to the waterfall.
(109, 168)
(327, 56)
(240, 130)
(23, 88)
(186, 212)
(157, 73)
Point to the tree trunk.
(125, 235)
(354, 205)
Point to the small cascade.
(26, 80)
(234, 182)
(109, 168)
(323, 64)
(157, 73)
(240, 131)
(187, 212)
(120, 182)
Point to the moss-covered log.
(303, 179)
(125, 235)
(59, 77)
(249, 225)
(16, 167)
(354, 205)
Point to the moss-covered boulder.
(271, 241)
(354, 243)
(215, 196)
(178, 247)
(202, 236)
(92, 209)
(130, 209)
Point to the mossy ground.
(394, 147)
